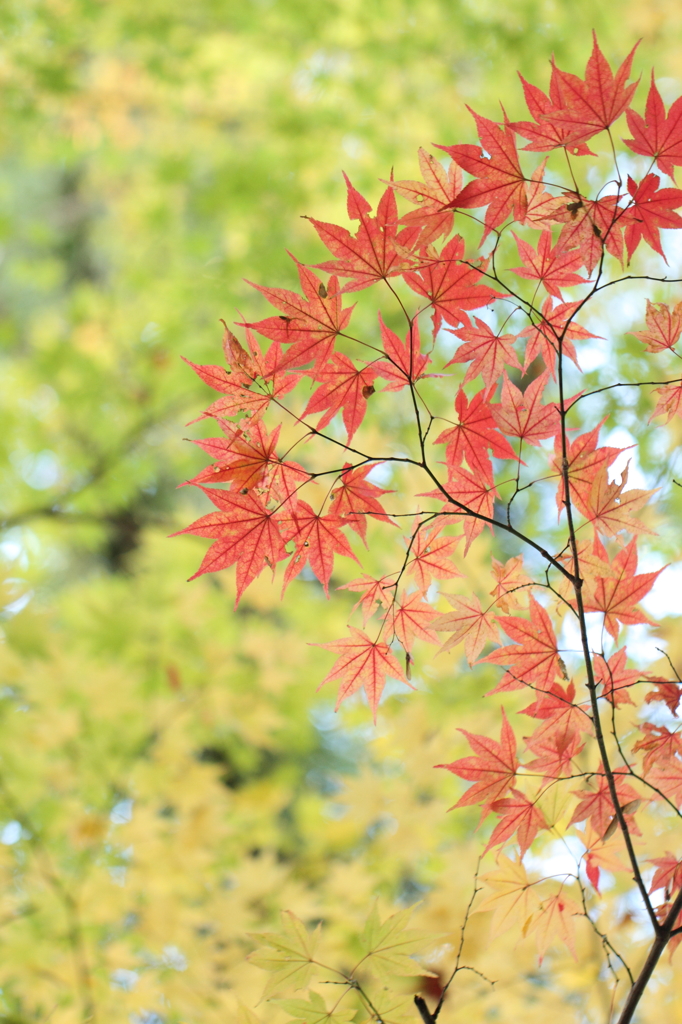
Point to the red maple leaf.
(533, 658)
(253, 381)
(584, 462)
(510, 582)
(377, 251)
(615, 678)
(492, 769)
(663, 326)
(520, 815)
(355, 498)
(522, 414)
(659, 743)
(450, 285)
(657, 134)
(217, 377)
(243, 455)
(555, 326)
(487, 351)
(245, 532)
(668, 778)
(589, 106)
(317, 539)
(596, 806)
(431, 557)
(372, 592)
(343, 387)
(668, 874)
(555, 747)
(434, 197)
(650, 209)
(609, 507)
(666, 691)
(470, 496)
(247, 362)
(544, 133)
(543, 207)
(590, 225)
(557, 739)
(669, 402)
(475, 433)
(409, 618)
(406, 362)
(554, 266)
(310, 322)
(499, 183)
(238, 398)
(247, 459)
(618, 595)
(469, 623)
(557, 709)
(363, 663)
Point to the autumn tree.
(500, 274)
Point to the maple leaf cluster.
(487, 423)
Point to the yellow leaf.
(556, 921)
(513, 900)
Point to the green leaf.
(394, 1008)
(290, 956)
(314, 1011)
(389, 945)
(245, 1015)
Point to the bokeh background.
(169, 777)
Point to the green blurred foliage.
(168, 778)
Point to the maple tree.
(467, 468)
(154, 157)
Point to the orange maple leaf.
(522, 414)
(618, 595)
(431, 557)
(511, 582)
(663, 326)
(317, 539)
(534, 657)
(245, 532)
(468, 623)
(596, 806)
(363, 663)
(410, 618)
(520, 815)
(373, 591)
(661, 745)
(668, 874)
(355, 498)
(609, 507)
(433, 196)
(485, 350)
(492, 770)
